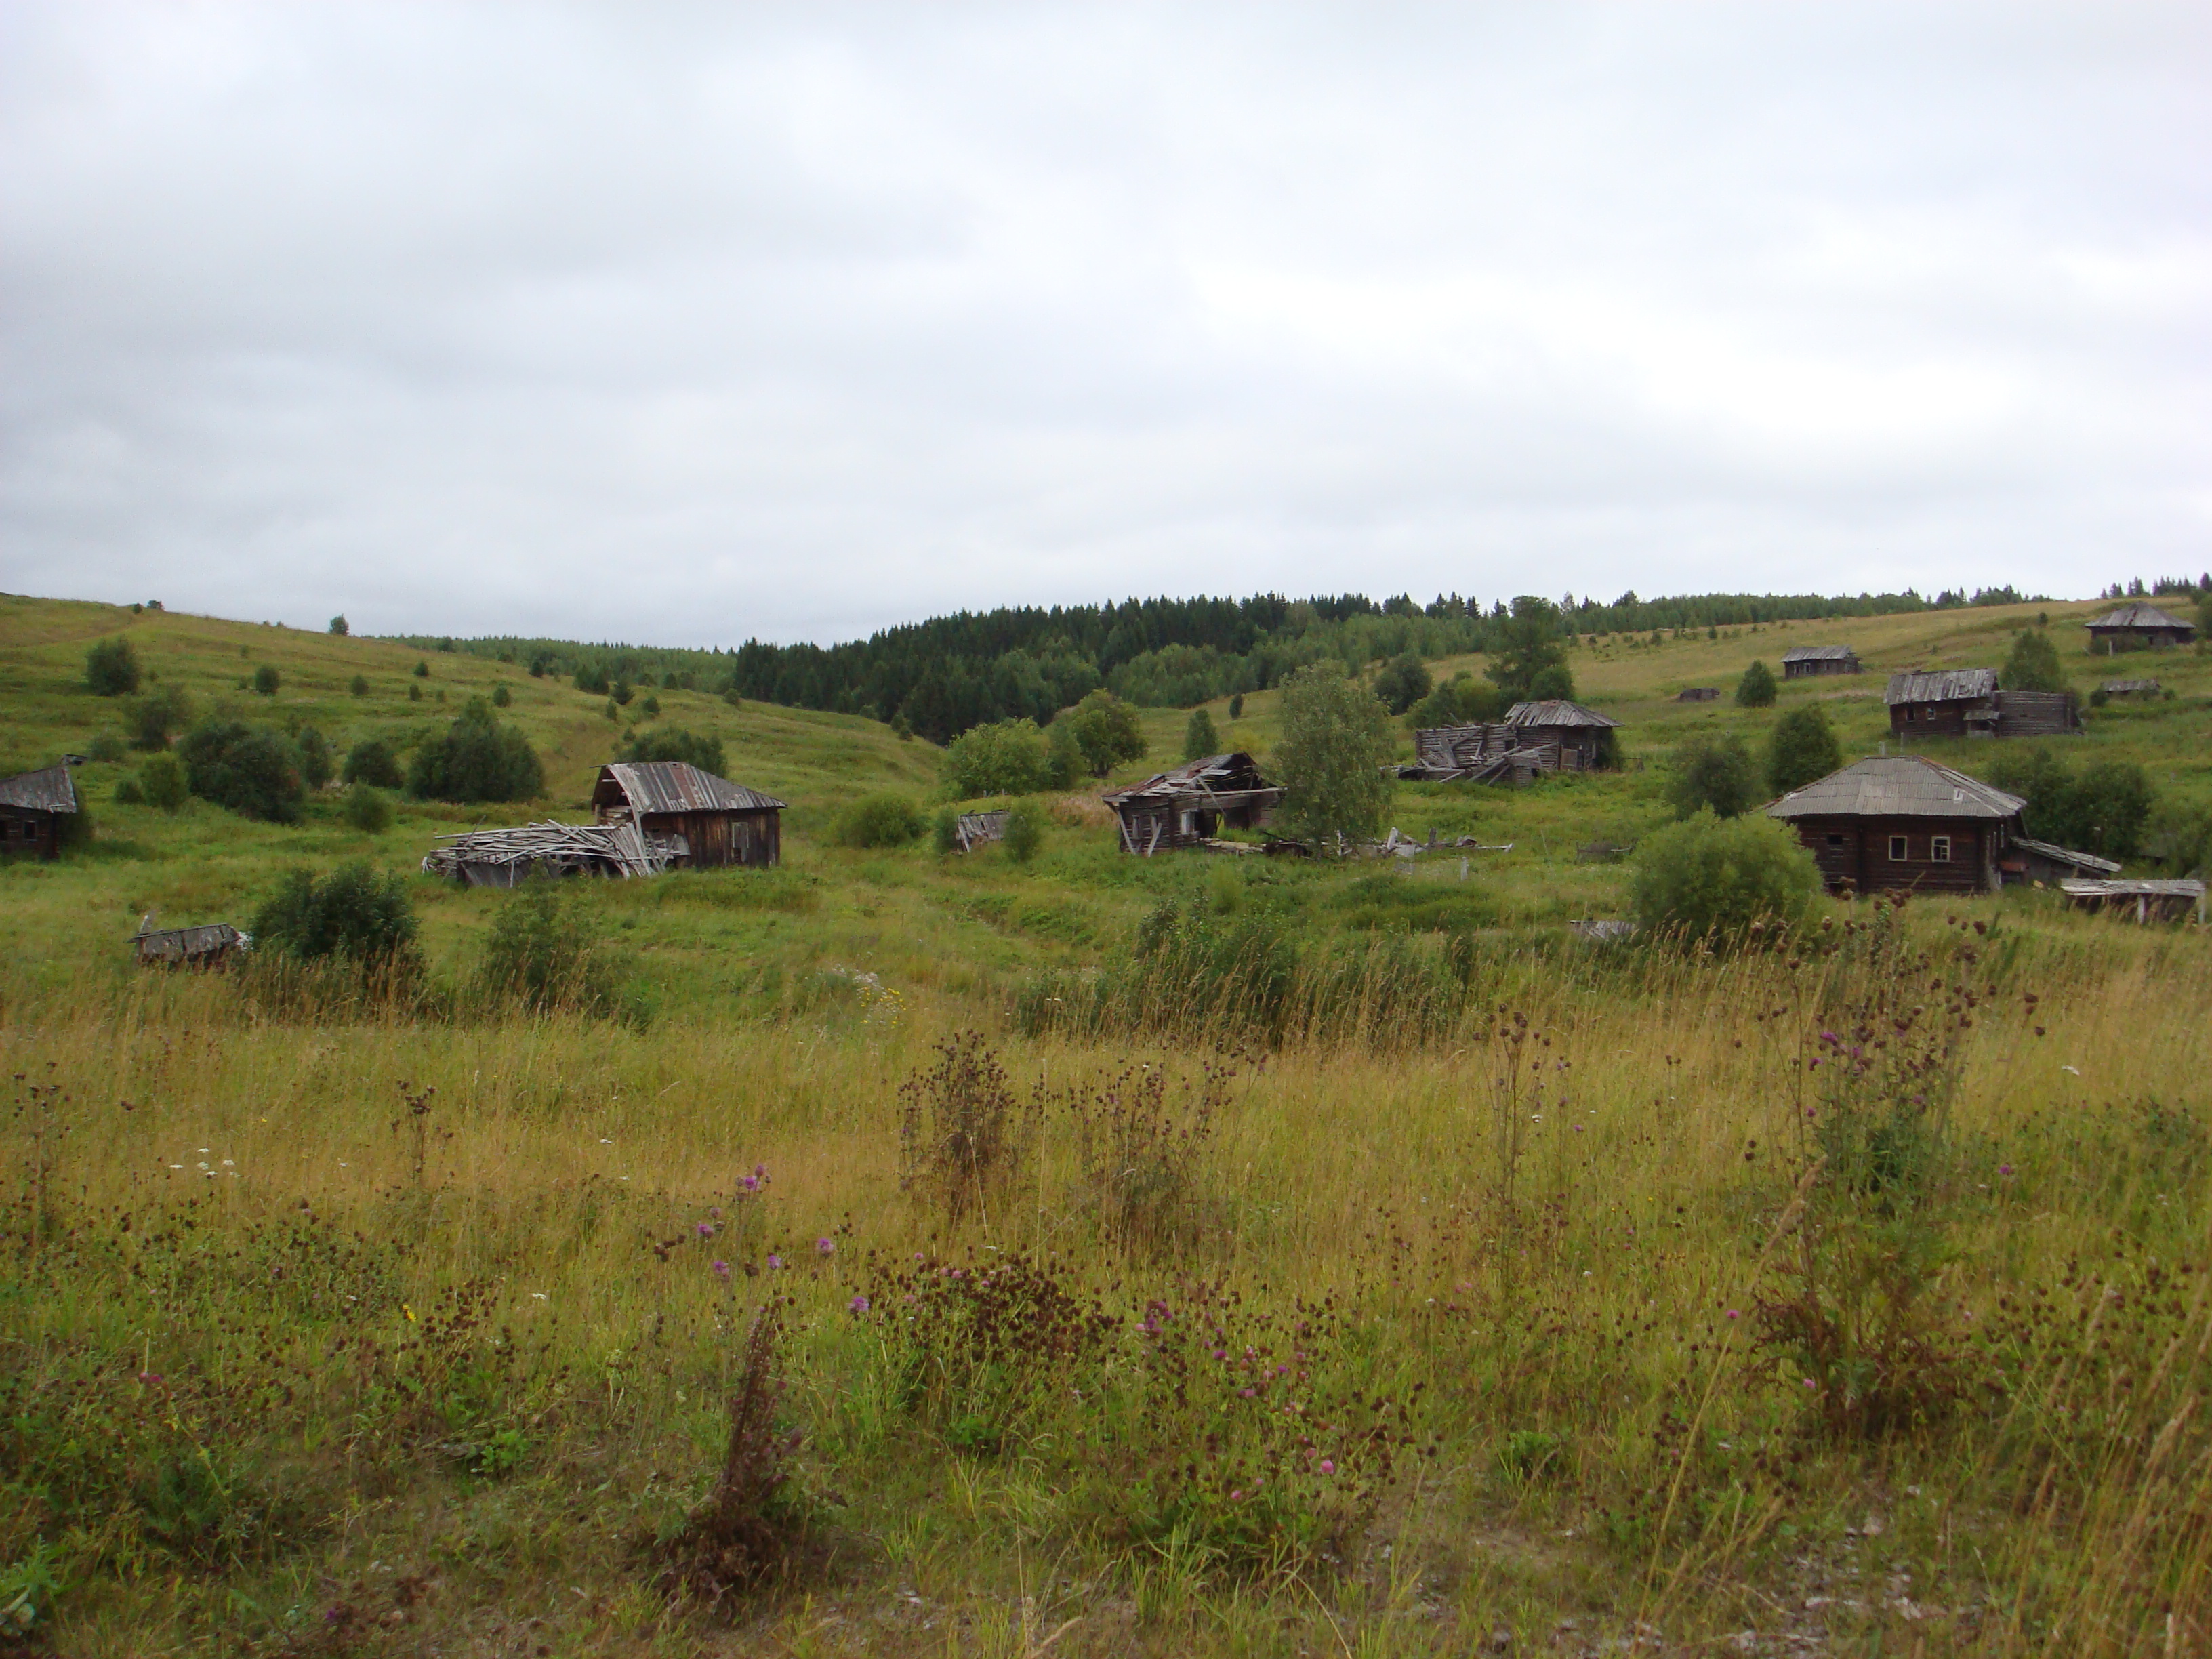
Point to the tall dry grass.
(1548, 1216)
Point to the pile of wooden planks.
(502, 857)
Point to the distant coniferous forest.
(942, 675)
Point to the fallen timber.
(503, 858)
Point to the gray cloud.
(698, 324)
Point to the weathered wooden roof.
(1556, 711)
(50, 789)
(1233, 774)
(1941, 685)
(2056, 854)
(1897, 786)
(620, 847)
(2138, 615)
(1819, 653)
(674, 786)
(2129, 688)
(183, 943)
(2186, 889)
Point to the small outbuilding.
(710, 821)
(973, 829)
(38, 810)
(2131, 688)
(1585, 736)
(1698, 693)
(1943, 703)
(215, 944)
(2041, 861)
(2138, 627)
(2139, 901)
(1193, 803)
(1803, 662)
(1904, 822)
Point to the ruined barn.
(2138, 627)
(1192, 803)
(1943, 703)
(213, 945)
(710, 821)
(1904, 822)
(509, 857)
(1478, 754)
(2139, 901)
(1803, 662)
(1584, 737)
(38, 811)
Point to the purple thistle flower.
(721, 1270)
(822, 1247)
(1327, 1465)
(858, 1304)
(776, 1261)
(706, 1229)
(715, 1211)
(2004, 1169)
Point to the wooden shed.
(712, 821)
(35, 808)
(1585, 736)
(2138, 627)
(214, 945)
(2041, 861)
(1943, 703)
(2139, 901)
(1904, 822)
(2131, 688)
(1698, 693)
(1193, 803)
(1803, 662)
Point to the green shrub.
(621, 693)
(1756, 688)
(502, 698)
(367, 809)
(250, 770)
(2032, 665)
(651, 706)
(421, 669)
(1006, 757)
(1106, 731)
(1715, 775)
(1461, 701)
(359, 686)
(1236, 707)
(339, 627)
(111, 668)
(1335, 739)
(107, 747)
(1801, 749)
(544, 953)
(372, 761)
(1404, 681)
(1024, 833)
(674, 743)
(478, 759)
(156, 719)
(2103, 809)
(1554, 681)
(267, 680)
(414, 693)
(1199, 738)
(879, 820)
(1709, 876)
(164, 783)
(2181, 838)
(353, 914)
(944, 829)
(316, 762)
(129, 793)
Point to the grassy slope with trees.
(1608, 1280)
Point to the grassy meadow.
(1461, 1288)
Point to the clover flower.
(824, 1246)
(776, 1261)
(858, 1304)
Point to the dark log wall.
(721, 839)
(25, 834)
(1931, 719)
(1855, 852)
(1806, 670)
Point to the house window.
(1835, 841)
(1939, 850)
(1911, 713)
(1897, 849)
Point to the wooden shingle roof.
(2138, 615)
(1898, 787)
(1941, 685)
(49, 789)
(1556, 711)
(649, 787)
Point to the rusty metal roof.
(2139, 615)
(1941, 685)
(1898, 787)
(50, 789)
(1234, 773)
(1819, 653)
(1556, 711)
(649, 787)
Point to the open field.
(1581, 1312)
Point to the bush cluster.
(883, 819)
(1710, 877)
(478, 759)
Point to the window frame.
(1938, 849)
(1900, 849)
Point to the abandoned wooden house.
(2131, 688)
(1943, 703)
(215, 944)
(1904, 822)
(1193, 803)
(2037, 713)
(712, 821)
(2138, 627)
(2139, 901)
(1801, 662)
(1585, 736)
(1699, 694)
(506, 858)
(2040, 862)
(1478, 754)
(973, 829)
(37, 811)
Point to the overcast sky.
(686, 326)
